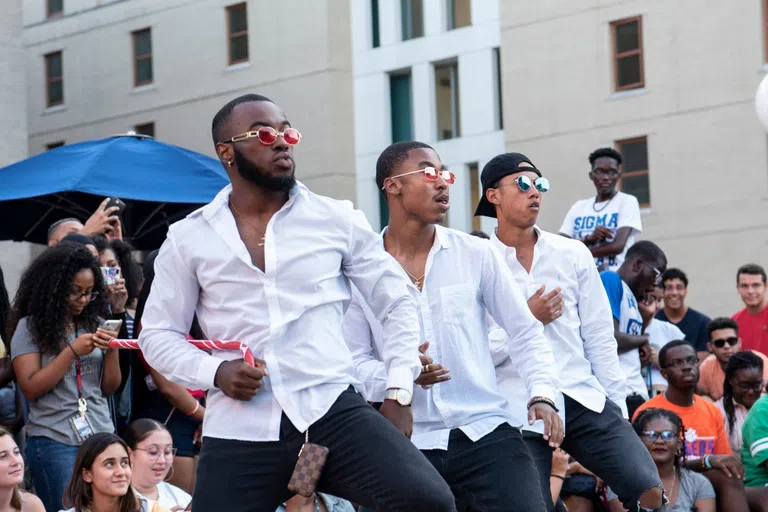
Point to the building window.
(54, 8)
(474, 195)
(54, 145)
(412, 18)
(628, 54)
(145, 129)
(237, 28)
(459, 13)
(402, 123)
(54, 79)
(447, 100)
(375, 42)
(634, 174)
(498, 90)
(142, 57)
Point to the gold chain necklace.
(263, 235)
(416, 281)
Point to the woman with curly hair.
(662, 432)
(62, 362)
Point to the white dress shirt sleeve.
(359, 337)
(497, 339)
(166, 321)
(597, 331)
(528, 347)
(383, 287)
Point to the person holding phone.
(63, 363)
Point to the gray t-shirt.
(49, 415)
(693, 487)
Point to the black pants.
(495, 473)
(369, 462)
(604, 443)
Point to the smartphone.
(115, 201)
(111, 325)
(111, 274)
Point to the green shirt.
(754, 447)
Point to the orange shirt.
(703, 422)
(712, 376)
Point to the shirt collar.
(222, 198)
(540, 239)
(442, 237)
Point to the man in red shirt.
(753, 319)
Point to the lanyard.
(82, 405)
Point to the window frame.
(450, 15)
(642, 172)
(232, 35)
(408, 21)
(137, 58)
(453, 65)
(49, 80)
(49, 14)
(631, 53)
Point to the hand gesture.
(728, 464)
(84, 344)
(560, 462)
(600, 234)
(239, 380)
(553, 425)
(647, 353)
(546, 307)
(115, 231)
(102, 338)
(430, 373)
(102, 220)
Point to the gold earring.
(230, 163)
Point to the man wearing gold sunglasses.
(460, 421)
(268, 263)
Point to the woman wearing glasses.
(662, 434)
(742, 387)
(62, 362)
(152, 455)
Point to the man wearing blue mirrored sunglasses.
(568, 297)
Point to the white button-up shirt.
(290, 315)
(582, 338)
(465, 278)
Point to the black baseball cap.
(497, 168)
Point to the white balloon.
(761, 103)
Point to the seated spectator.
(754, 453)
(62, 361)
(659, 333)
(743, 386)
(724, 342)
(12, 477)
(753, 319)
(102, 222)
(157, 398)
(101, 478)
(662, 433)
(675, 311)
(707, 448)
(152, 455)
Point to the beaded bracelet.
(542, 400)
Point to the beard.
(258, 176)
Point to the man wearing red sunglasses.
(567, 295)
(268, 262)
(461, 423)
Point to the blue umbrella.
(160, 184)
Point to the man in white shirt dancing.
(267, 263)
(567, 296)
(462, 425)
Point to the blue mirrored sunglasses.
(524, 183)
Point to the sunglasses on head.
(268, 135)
(666, 435)
(721, 343)
(431, 174)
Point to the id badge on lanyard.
(80, 424)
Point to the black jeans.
(496, 473)
(604, 443)
(369, 462)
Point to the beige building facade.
(707, 156)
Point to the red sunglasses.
(432, 174)
(268, 135)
